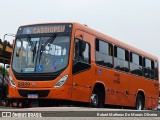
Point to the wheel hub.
(94, 100)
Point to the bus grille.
(40, 93)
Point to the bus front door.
(82, 73)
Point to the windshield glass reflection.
(37, 55)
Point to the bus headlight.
(61, 81)
(11, 81)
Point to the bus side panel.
(133, 88)
(122, 86)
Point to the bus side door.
(82, 71)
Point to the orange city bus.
(70, 61)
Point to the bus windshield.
(41, 54)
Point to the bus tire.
(139, 102)
(97, 98)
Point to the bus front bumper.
(63, 92)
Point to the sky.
(135, 22)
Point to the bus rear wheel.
(97, 98)
(139, 102)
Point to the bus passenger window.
(156, 71)
(148, 68)
(136, 64)
(104, 53)
(121, 59)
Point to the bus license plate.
(32, 95)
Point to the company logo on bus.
(33, 84)
(28, 31)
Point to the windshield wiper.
(33, 47)
(50, 40)
(30, 43)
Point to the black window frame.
(137, 72)
(119, 59)
(110, 53)
(128, 58)
(147, 70)
(156, 69)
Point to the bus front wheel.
(97, 98)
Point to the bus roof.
(105, 37)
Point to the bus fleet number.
(23, 84)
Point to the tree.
(2, 69)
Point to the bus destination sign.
(46, 28)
